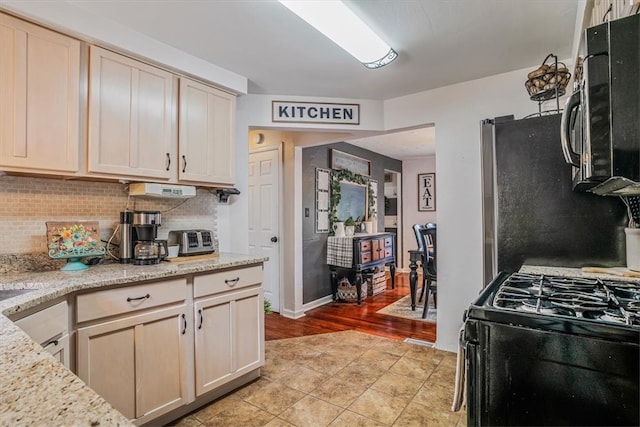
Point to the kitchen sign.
(315, 112)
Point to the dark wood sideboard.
(361, 253)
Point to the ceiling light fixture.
(336, 21)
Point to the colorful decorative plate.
(73, 241)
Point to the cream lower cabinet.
(152, 348)
(137, 361)
(49, 327)
(229, 337)
(39, 99)
(138, 364)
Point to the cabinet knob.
(274, 239)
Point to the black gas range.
(550, 350)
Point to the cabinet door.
(39, 98)
(229, 337)
(49, 327)
(213, 342)
(377, 249)
(248, 334)
(207, 129)
(131, 117)
(137, 364)
(59, 348)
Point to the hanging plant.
(347, 175)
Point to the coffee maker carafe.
(138, 233)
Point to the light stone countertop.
(572, 272)
(35, 388)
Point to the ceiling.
(439, 43)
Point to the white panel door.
(264, 218)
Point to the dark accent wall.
(315, 271)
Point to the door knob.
(274, 239)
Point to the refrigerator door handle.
(570, 156)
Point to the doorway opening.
(393, 209)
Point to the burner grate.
(576, 297)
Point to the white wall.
(410, 214)
(457, 111)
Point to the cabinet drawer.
(365, 245)
(47, 323)
(112, 302)
(388, 252)
(365, 258)
(213, 283)
(388, 241)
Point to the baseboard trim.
(297, 314)
(292, 314)
(317, 303)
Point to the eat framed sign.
(426, 192)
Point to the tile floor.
(341, 379)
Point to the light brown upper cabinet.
(39, 99)
(207, 123)
(131, 118)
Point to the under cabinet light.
(336, 21)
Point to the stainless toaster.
(193, 242)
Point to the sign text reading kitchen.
(315, 112)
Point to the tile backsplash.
(26, 204)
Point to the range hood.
(617, 186)
(151, 189)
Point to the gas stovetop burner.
(577, 297)
(545, 307)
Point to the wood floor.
(338, 316)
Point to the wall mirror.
(352, 195)
(354, 201)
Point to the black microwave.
(601, 119)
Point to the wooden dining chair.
(419, 231)
(429, 267)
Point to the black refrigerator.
(530, 214)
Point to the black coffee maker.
(138, 238)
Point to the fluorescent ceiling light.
(336, 21)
